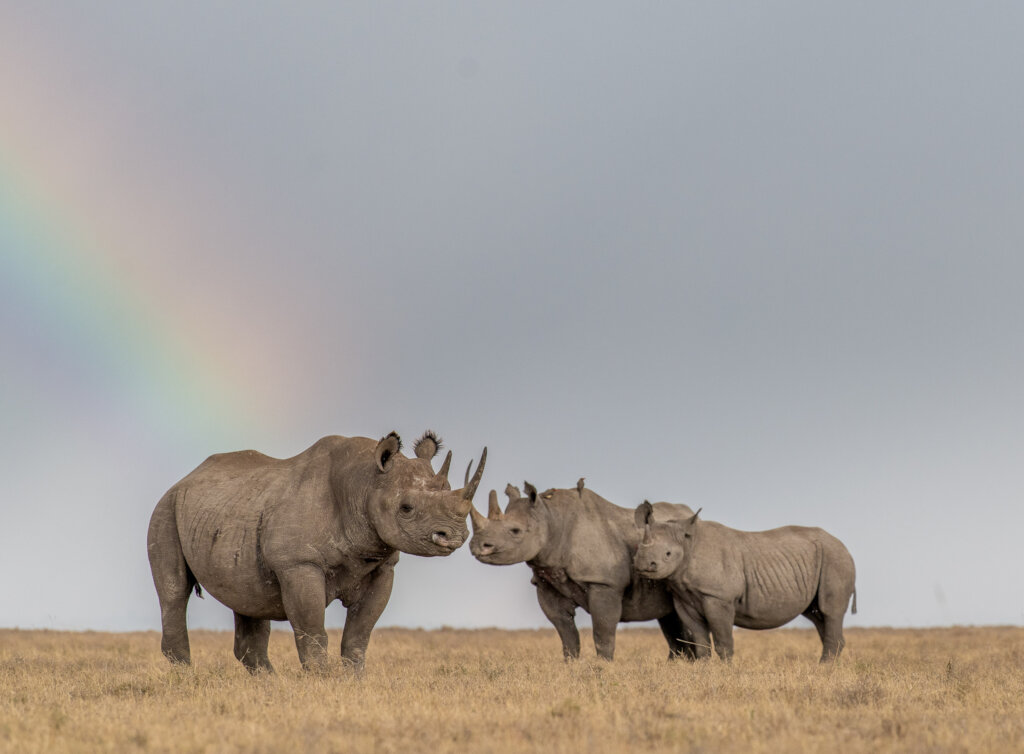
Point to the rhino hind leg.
(680, 640)
(174, 582)
(830, 631)
(252, 636)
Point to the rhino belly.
(223, 553)
(646, 600)
(770, 608)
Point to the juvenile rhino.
(277, 539)
(580, 547)
(721, 577)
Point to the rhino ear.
(531, 492)
(643, 514)
(427, 446)
(512, 492)
(386, 450)
(686, 528)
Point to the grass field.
(934, 690)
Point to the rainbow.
(89, 290)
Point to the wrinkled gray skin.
(721, 577)
(580, 547)
(277, 539)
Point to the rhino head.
(664, 544)
(515, 536)
(414, 509)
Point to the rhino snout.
(446, 538)
(482, 548)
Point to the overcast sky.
(764, 259)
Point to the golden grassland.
(934, 690)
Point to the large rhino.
(721, 577)
(580, 547)
(277, 539)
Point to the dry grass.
(937, 690)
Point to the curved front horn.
(493, 509)
(470, 489)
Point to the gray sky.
(761, 259)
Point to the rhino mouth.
(645, 570)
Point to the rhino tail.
(853, 609)
(193, 581)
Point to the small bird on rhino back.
(280, 539)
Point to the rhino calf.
(280, 539)
(721, 577)
(580, 547)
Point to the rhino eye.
(516, 530)
(405, 508)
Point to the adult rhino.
(277, 539)
(580, 547)
(721, 577)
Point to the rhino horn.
(493, 509)
(469, 490)
(442, 473)
(476, 517)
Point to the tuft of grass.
(956, 689)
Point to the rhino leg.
(605, 605)
(720, 616)
(695, 624)
(561, 611)
(251, 639)
(830, 631)
(680, 640)
(363, 615)
(173, 580)
(303, 592)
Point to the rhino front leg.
(364, 613)
(680, 641)
(252, 636)
(696, 626)
(303, 593)
(605, 604)
(720, 616)
(561, 611)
